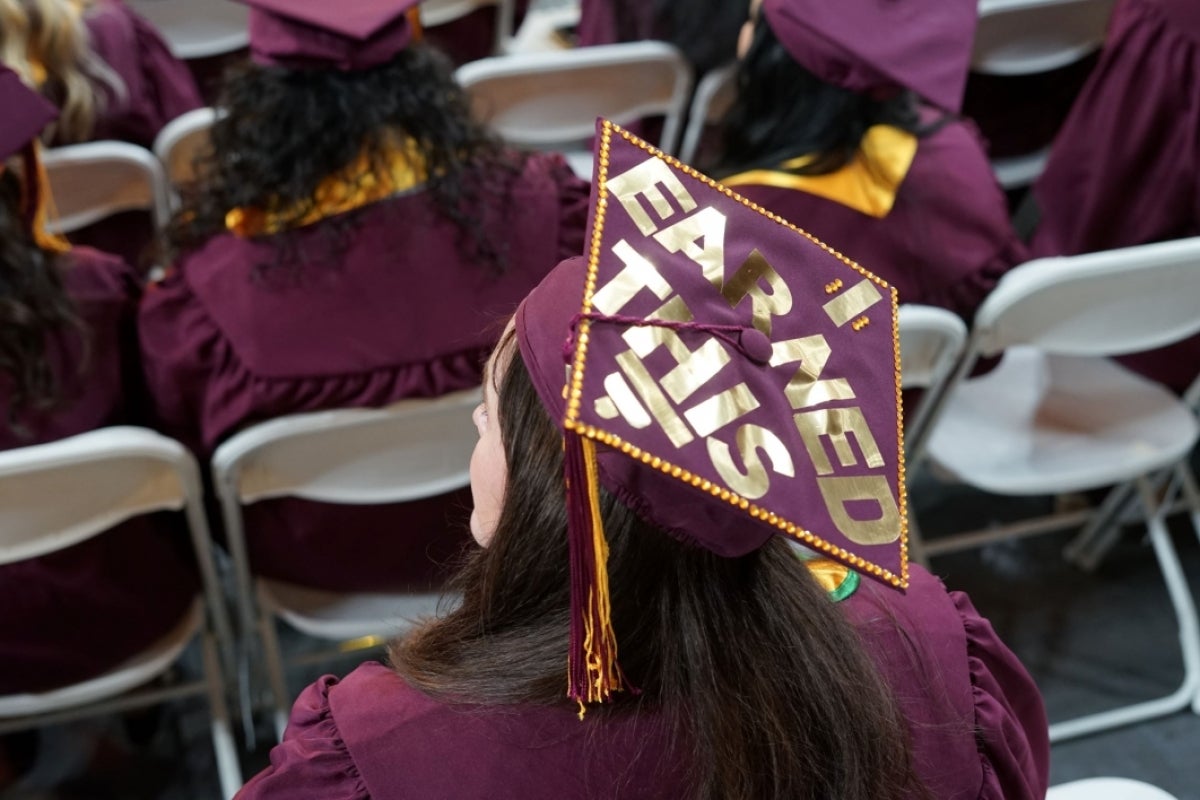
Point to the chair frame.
(176, 146)
(175, 486)
(714, 95)
(119, 177)
(932, 341)
(1004, 24)
(544, 75)
(997, 328)
(257, 464)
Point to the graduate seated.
(356, 238)
(845, 123)
(68, 365)
(107, 69)
(651, 614)
(1125, 168)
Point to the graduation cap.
(26, 113)
(348, 35)
(881, 45)
(724, 374)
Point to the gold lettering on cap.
(621, 400)
(857, 299)
(837, 424)
(719, 410)
(708, 225)
(839, 491)
(748, 282)
(659, 406)
(644, 180)
(754, 481)
(637, 274)
(694, 367)
(804, 389)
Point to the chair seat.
(1107, 789)
(143, 667)
(1041, 423)
(336, 616)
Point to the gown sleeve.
(312, 760)
(1010, 720)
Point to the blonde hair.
(46, 43)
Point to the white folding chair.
(1107, 789)
(931, 344)
(715, 93)
(180, 143)
(550, 101)
(539, 31)
(1026, 37)
(105, 477)
(198, 28)
(410, 450)
(95, 180)
(1056, 416)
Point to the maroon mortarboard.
(721, 372)
(881, 45)
(25, 113)
(348, 35)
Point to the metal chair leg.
(1189, 635)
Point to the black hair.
(705, 30)
(34, 309)
(783, 111)
(284, 131)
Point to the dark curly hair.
(286, 130)
(783, 111)
(34, 309)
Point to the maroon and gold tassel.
(592, 670)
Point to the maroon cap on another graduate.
(348, 35)
(881, 45)
(24, 113)
(722, 373)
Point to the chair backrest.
(409, 450)
(715, 93)
(1022, 37)
(180, 143)
(550, 100)
(56, 495)
(198, 28)
(1107, 303)
(931, 344)
(95, 180)
(1107, 789)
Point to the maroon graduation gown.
(945, 242)
(158, 86)
(1125, 168)
(73, 614)
(976, 719)
(401, 312)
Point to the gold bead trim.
(575, 394)
(831, 288)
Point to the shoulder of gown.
(312, 761)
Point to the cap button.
(756, 345)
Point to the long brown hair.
(34, 308)
(753, 666)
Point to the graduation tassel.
(593, 674)
(37, 203)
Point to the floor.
(1089, 639)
